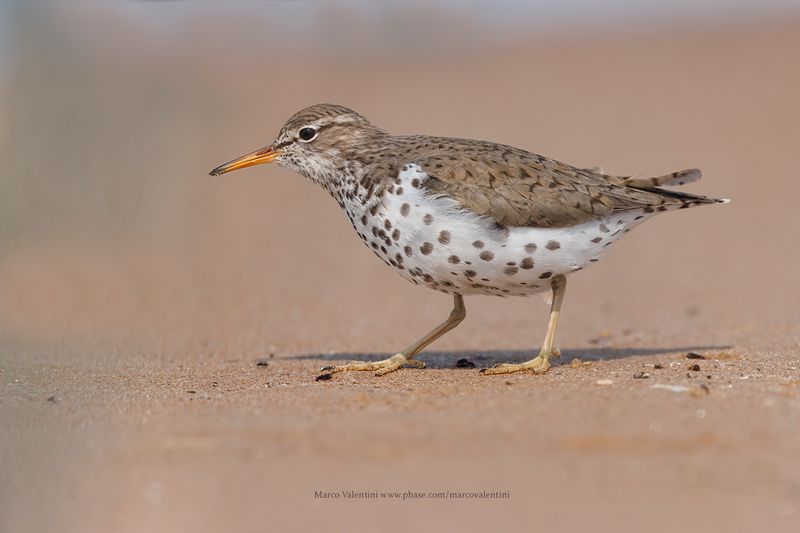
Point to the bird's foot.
(381, 368)
(538, 364)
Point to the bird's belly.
(431, 241)
(521, 263)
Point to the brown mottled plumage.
(464, 216)
(518, 188)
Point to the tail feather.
(678, 200)
(682, 200)
(675, 179)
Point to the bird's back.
(518, 188)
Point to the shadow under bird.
(464, 216)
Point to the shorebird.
(464, 216)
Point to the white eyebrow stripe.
(342, 119)
(328, 121)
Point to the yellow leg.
(405, 357)
(541, 362)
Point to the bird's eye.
(306, 134)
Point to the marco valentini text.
(411, 495)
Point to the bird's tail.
(681, 177)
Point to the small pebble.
(191, 392)
(705, 388)
(641, 375)
(695, 355)
(324, 377)
(694, 368)
(658, 366)
(604, 382)
(262, 361)
(53, 399)
(465, 363)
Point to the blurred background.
(117, 250)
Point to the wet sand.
(129, 333)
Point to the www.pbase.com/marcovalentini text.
(411, 495)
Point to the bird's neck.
(355, 189)
(351, 175)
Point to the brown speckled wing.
(518, 188)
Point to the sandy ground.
(132, 316)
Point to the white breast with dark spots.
(432, 241)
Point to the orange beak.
(265, 155)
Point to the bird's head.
(316, 142)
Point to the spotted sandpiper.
(466, 217)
